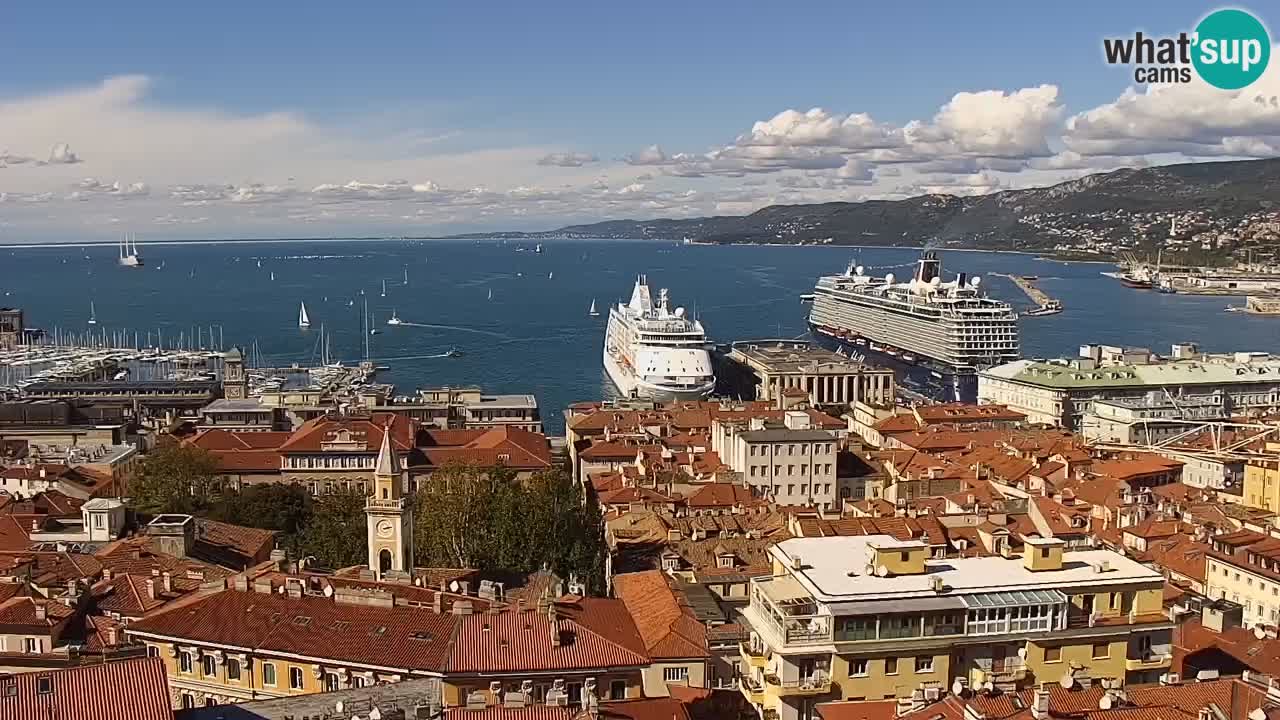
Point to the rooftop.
(126, 690)
(1202, 370)
(835, 569)
(784, 356)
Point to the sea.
(519, 318)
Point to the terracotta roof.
(1258, 654)
(47, 569)
(508, 446)
(316, 627)
(98, 630)
(123, 690)
(1145, 464)
(365, 430)
(137, 555)
(614, 451)
(593, 633)
(1144, 702)
(668, 708)
(233, 546)
(664, 619)
(633, 494)
(49, 502)
(219, 439)
(721, 495)
(965, 412)
(19, 615)
(498, 712)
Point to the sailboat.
(593, 312)
(490, 293)
(384, 288)
(394, 319)
(304, 322)
(129, 256)
(406, 276)
(551, 275)
(273, 276)
(93, 314)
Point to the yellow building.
(873, 617)
(1262, 481)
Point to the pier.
(1046, 305)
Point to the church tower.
(235, 386)
(390, 517)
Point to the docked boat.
(936, 334)
(538, 248)
(93, 314)
(1137, 280)
(654, 351)
(129, 255)
(304, 321)
(394, 319)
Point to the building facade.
(872, 617)
(825, 378)
(791, 463)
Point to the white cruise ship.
(655, 352)
(936, 334)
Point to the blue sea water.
(535, 334)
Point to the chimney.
(106, 573)
(555, 626)
(1040, 705)
(462, 607)
(41, 613)
(167, 579)
(112, 637)
(151, 588)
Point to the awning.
(904, 605)
(1014, 598)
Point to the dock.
(1045, 304)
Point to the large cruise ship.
(937, 334)
(653, 351)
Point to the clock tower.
(390, 517)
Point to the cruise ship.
(652, 351)
(937, 334)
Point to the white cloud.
(89, 188)
(566, 159)
(818, 127)
(1193, 119)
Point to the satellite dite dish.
(1067, 682)
(454, 586)
(882, 571)
(1105, 702)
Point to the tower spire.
(388, 462)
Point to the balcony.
(1006, 672)
(754, 655)
(818, 683)
(751, 690)
(1148, 662)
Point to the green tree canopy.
(484, 518)
(336, 532)
(175, 478)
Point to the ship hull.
(924, 376)
(628, 385)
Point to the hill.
(1112, 207)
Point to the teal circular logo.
(1231, 49)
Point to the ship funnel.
(960, 280)
(929, 267)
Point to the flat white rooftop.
(834, 569)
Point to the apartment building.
(792, 463)
(873, 617)
(1244, 567)
(1262, 481)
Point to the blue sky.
(457, 96)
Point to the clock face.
(385, 528)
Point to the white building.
(791, 463)
(1061, 391)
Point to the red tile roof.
(123, 690)
(410, 638)
(859, 710)
(316, 432)
(668, 708)
(507, 446)
(666, 622)
(593, 633)
(498, 712)
(18, 615)
(721, 495)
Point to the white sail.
(303, 320)
(490, 293)
(384, 288)
(593, 312)
(93, 314)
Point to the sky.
(236, 119)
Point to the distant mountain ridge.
(1098, 204)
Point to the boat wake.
(457, 328)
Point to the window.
(184, 662)
(891, 666)
(906, 557)
(330, 682)
(210, 701)
(209, 666)
(574, 691)
(857, 628)
(1044, 552)
(1101, 650)
(618, 690)
(359, 681)
(724, 561)
(99, 521)
(857, 668)
(269, 674)
(44, 685)
(188, 701)
(924, 664)
(233, 669)
(1052, 654)
(671, 563)
(153, 651)
(295, 678)
(675, 674)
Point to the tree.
(484, 518)
(336, 532)
(284, 507)
(175, 478)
